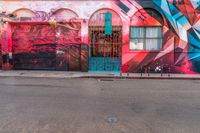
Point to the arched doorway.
(105, 39)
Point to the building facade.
(101, 35)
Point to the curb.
(27, 76)
(150, 78)
(68, 76)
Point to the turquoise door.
(103, 64)
(105, 50)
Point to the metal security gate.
(75, 58)
(41, 57)
(105, 50)
(41, 46)
(33, 46)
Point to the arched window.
(146, 30)
(63, 14)
(24, 12)
(98, 18)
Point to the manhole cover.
(106, 80)
(112, 119)
(21, 74)
(111, 74)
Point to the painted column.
(7, 49)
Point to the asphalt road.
(39, 105)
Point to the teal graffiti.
(108, 23)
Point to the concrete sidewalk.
(65, 74)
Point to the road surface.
(50, 105)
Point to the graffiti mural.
(181, 28)
(33, 46)
(43, 46)
(157, 35)
(39, 42)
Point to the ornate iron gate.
(105, 50)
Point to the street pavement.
(98, 105)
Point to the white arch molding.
(24, 12)
(63, 14)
